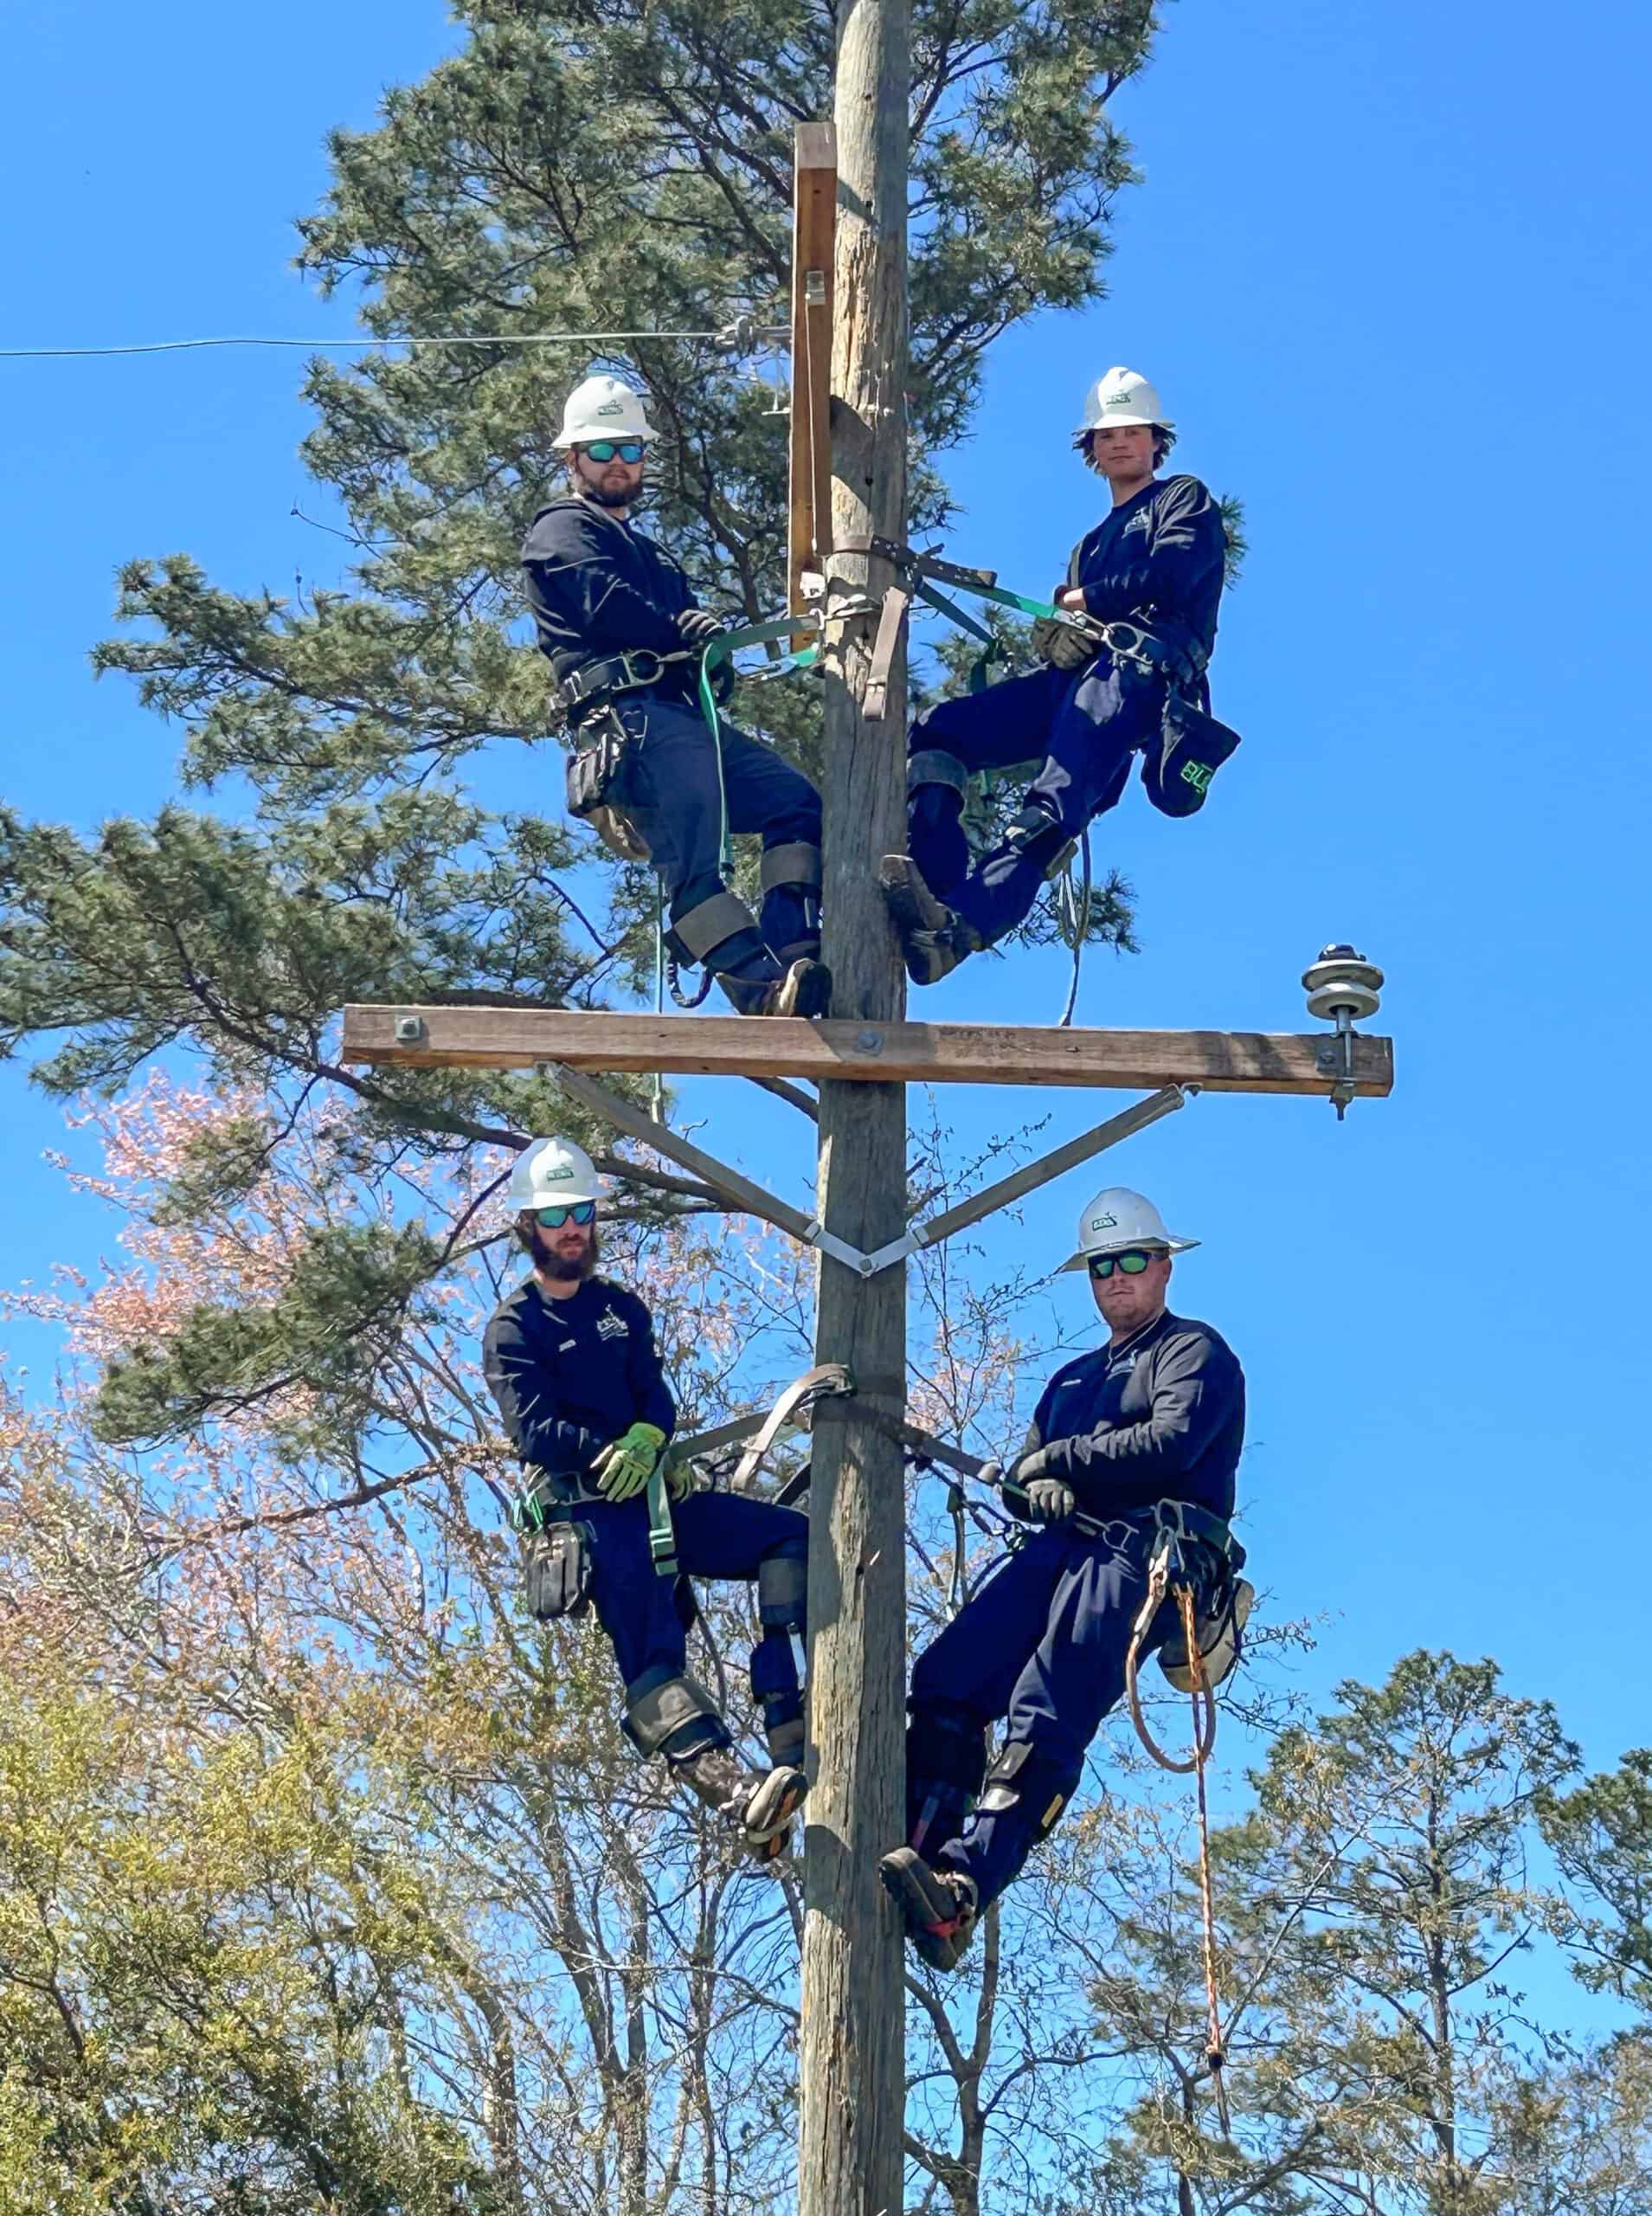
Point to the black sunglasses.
(605, 449)
(1132, 1261)
(553, 1219)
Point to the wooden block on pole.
(885, 1053)
(814, 209)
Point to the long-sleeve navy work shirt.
(1158, 556)
(1159, 1418)
(599, 587)
(572, 1376)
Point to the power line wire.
(738, 336)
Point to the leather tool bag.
(559, 1570)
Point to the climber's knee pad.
(671, 1715)
(783, 1589)
(1029, 1780)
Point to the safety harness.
(590, 695)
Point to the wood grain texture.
(866, 1049)
(851, 2039)
(814, 211)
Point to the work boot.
(760, 1807)
(939, 1907)
(804, 988)
(934, 938)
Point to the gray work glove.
(1063, 645)
(699, 626)
(1050, 1501)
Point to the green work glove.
(1063, 645)
(624, 1467)
(679, 1475)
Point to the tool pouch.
(1190, 748)
(1218, 1623)
(593, 773)
(559, 1570)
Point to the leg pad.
(796, 862)
(1025, 1778)
(782, 1589)
(708, 924)
(946, 1763)
(933, 765)
(672, 1715)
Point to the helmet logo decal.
(1103, 1222)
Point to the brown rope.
(1215, 2056)
(1204, 1695)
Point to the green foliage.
(574, 166)
(317, 1349)
(200, 1959)
(1373, 1901)
(1601, 1836)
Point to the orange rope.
(1204, 1695)
(1215, 2056)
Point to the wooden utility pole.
(852, 2042)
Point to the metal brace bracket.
(852, 1257)
(1022, 1181)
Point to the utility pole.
(852, 2047)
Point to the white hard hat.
(1117, 1219)
(1123, 396)
(603, 408)
(550, 1170)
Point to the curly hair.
(1083, 442)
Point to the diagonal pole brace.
(754, 1199)
(1022, 1181)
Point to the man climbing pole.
(570, 1358)
(620, 625)
(1140, 1438)
(1151, 570)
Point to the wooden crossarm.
(913, 1053)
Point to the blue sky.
(1384, 270)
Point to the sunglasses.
(553, 1219)
(605, 449)
(1133, 1261)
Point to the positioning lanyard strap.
(722, 649)
(662, 1538)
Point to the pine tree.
(575, 167)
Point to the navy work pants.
(668, 785)
(1041, 1646)
(718, 1534)
(1086, 724)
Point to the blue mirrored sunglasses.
(605, 449)
(1133, 1261)
(553, 1219)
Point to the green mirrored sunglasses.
(1132, 1261)
(553, 1219)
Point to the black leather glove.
(698, 625)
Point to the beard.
(546, 1257)
(602, 498)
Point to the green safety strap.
(981, 668)
(722, 649)
(662, 1538)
